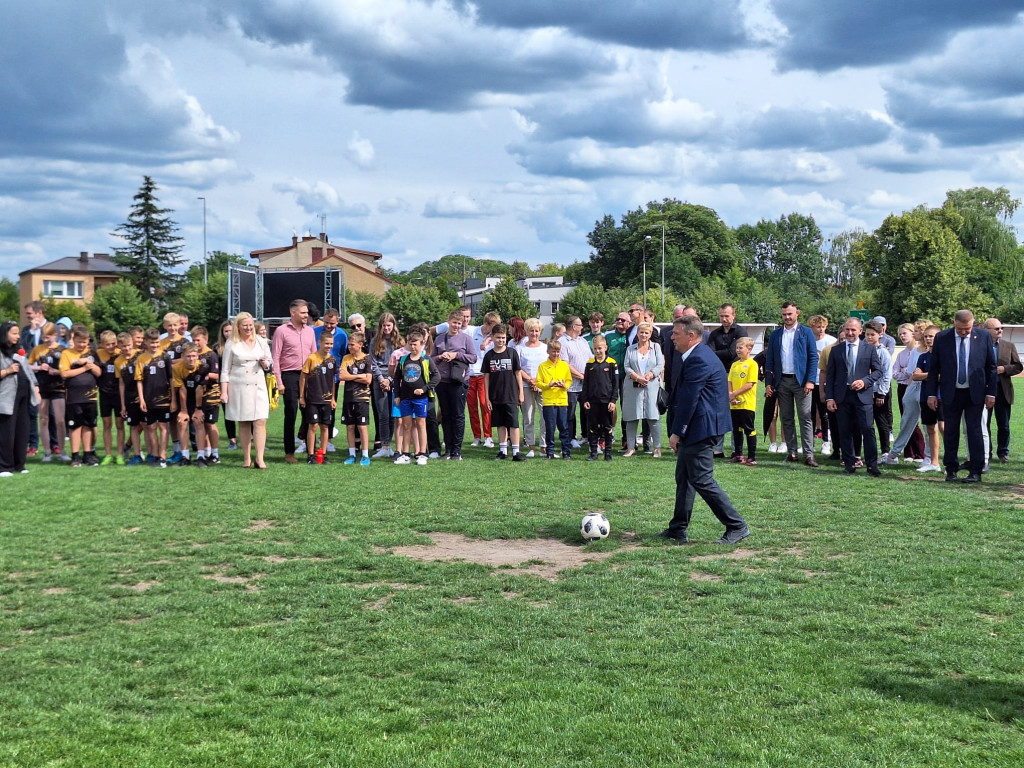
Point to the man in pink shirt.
(293, 343)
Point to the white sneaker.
(783, 448)
(773, 448)
(575, 443)
(6, 474)
(335, 432)
(826, 447)
(434, 455)
(476, 443)
(403, 459)
(421, 459)
(530, 454)
(488, 443)
(383, 453)
(25, 471)
(929, 468)
(888, 458)
(330, 447)
(63, 457)
(300, 447)
(47, 458)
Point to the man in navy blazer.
(963, 376)
(790, 373)
(700, 416)
(848, 394)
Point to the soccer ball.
(595, 526)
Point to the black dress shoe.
(733, 537)
(974, 477)
(677, 536)
(874, 472)
(1004, 459)
(951, 477)
(849, 470)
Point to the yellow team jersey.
(741, 373)
(548, 372)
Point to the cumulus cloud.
(956, 118)
(320, 197)
(394, 205)
(360, 151)
(818, 130)
(458, 206)
(862, 33)
(756, 168)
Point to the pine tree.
(154, 249)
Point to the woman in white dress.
(643, 365)
(243, 387)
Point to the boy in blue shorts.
(416, 377)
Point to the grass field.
(227, 617)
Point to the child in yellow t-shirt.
(554, 379)
(743, 402)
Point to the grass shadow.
(996, 700)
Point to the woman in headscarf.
(18, 390)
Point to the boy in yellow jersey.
(128, 393)
(186, 380)
(80, 372)
(316, 396)
(153, 382)
(743, 402)
(110, 397)
(209, 366)
(554, 379)
(357, 373)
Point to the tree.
(508, 299)
(9, 300)
(583, 301)
(365, 303)
(119, 306)
(55, 310)
(784, 253)
(410, 304)
(206, 304)
(153, 250)
(994, 261)
(916, 268)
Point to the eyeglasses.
(997, 328)
(356, 326)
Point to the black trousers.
(451, 397)
(961, 407)
(855, 418)
(599, 422)
(290, 379)
(882, 415)
(14, 431)
(695, 476)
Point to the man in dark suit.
(700, 416)
(1008, 365)
(963, 372)
(852, 370)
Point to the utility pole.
(206, 277)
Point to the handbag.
(662, 401)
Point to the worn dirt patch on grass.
(141, 586)
(544, 558)
(219, 576)
(259, 525)
(135, 529)
(56, 591)
(699, 576)
(276, 559)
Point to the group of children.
(159, 387)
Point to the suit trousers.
(695, 475)
(791, 393)
(961, 407)
(290, 379)
(451, 398)
(855, 418)
(1002, 414)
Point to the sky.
(492, 128)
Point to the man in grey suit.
(1008, 365)
(853, 368)
(700, 416)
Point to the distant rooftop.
(97, 263)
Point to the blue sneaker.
(365, 462)
(134, 461)
(174, 458)
(151, 459)
(350, 460)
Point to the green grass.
(877, 622)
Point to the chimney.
(323, 236)
(295, 240)
(83, 257)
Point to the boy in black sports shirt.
(186, 381)
(209, 364)
(503, 391)
(356, 372)
(153, 381)
(416, 378)
(600, 392)
(316, 397)
(124, 369)
(110, 397)
(80, 372)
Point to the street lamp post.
(205, 275)
(663, 265)
(646, 241)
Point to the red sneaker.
(32, 452)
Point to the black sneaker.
(213, 460)
(608, 456)
(311, 459)
(91, 460)
(201, 462)
(592, 457)
(501, 455)
(566, 455)
(185, 462)
(518, 457)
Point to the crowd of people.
(152, 396)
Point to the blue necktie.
(961, 376)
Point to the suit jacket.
(27, 338)
(805, 357)
(1007, 356)
(868, 367)
(981, 366)
(674, 360)
(700, 403)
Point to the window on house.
(554, 307)
(537, 305)
(63, 289)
